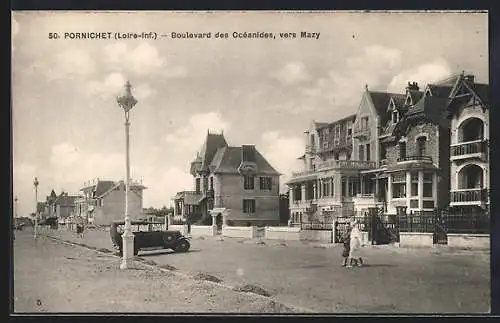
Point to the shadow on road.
(378, 265)
(167, 252)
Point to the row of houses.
(422, 149)
(100, 202)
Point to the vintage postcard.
(200, 162)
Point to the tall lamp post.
(127, 102)
(35, 183)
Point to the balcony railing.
(470, 147)
(426, 159)
(303, 173)
(350, 164)
(361, 132)
(310, 149)
(469, 195)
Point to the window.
(383, 152)
(399, 185)
(248, 206)
(364, 123)
(395, 116)
(368, 152)
(336, 156)
(211, 183)
(248, 182)
(414, 184)
(428, 184)
(349, 129)
(337, 131)
(198, 187)
(361, 151)
(402, 149)
(421, 145)
(265, 183)
(205, 183)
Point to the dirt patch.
(249, 288)
(204, 276)
(274, 307)
(147, 261)
(201, 238)
(240, 241)
(260, 243)
(104, 250)
(168, 267)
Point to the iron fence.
(316, 226)
(471, 223)
(452, 223)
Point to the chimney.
(248, 153)
(412, 86)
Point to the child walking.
(346, 240)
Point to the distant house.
(237, 178)
(104, 201)
(41, 211)
(64, 206)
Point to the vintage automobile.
(148, 235)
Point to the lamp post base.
(127, 250)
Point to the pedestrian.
(346, 240)
(354, 247)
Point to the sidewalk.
(52, 276)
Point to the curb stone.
(156, 266)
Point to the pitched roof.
(381, 102)
(212, 143)
(320, 125)
(66, 200)
(399, 100)
(415, 95)
(482, 91)
(228, 159)
(189, 197)
(433, 107)
(440, 90)
(102, 187)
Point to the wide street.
(394, 280)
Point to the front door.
(218, 223)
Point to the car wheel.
(183, 246)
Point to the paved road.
(394, 280)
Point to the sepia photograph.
(250, 162)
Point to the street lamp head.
(126, 101)
(35, 182)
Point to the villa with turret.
(227, 177)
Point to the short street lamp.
(35, 183)
(127, 102)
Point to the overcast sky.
(67, 127)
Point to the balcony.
(346, 164)
(469, 196)
(311, 149)
(361, 132)
(470, 149)
(303, 173)
(420, 159)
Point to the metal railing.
(350, 164)
(415, 158)
(471, 147)
(469, 195)
(361, 132)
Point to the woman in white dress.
(355, 247)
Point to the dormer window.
(395, 116)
